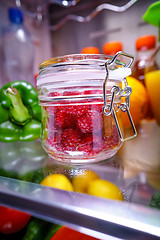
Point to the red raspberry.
(90, 122)
(98, 144)
(93, 92)
(70, 121)
(91, 144)
(86, 143)
(59, 119)
(50, 125)
(97, 107)
(55, 140)
(115, 137)
(71, 93)
(53, 94)
(64, 120)
(70, 139)
(77, 110)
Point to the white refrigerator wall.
(106, 26)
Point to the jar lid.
(79, 69)
(145, 42)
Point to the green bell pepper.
(20, 113)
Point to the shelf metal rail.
(101, 218)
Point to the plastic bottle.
(17, 50)
(152, 81)
(144, 48)
(111, 48)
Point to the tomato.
(11, 220)
(69, 234)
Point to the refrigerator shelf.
(135, 170)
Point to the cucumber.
(54, 228)
(35, 176)
(8, 174)
(36, 229)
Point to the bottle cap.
(111, 48)
(145, 42)
(90, 50)
(15, 15)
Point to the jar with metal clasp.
(82, 101)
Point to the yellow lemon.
(81, 181)
(59, 181)
(105, 189)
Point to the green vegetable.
(54, 228)
(36, 229)
(20, 112)
(8, 174)
(155, 200)
(23, 159)
(35, 176)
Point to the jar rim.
(75, 58)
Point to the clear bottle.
(152, 81)
(145, 46)
(144, 49)
(17, 50)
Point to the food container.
(152, 81)
(82, 100)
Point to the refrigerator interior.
(136, 166)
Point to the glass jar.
(81, 96)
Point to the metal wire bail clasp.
(115, 90)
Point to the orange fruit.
(90, 50)
(139, 102)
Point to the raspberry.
(55, 140)
(115, 136)
(90, 122)
(59, 119)
(97, 144)
(70, 121)
(77, 110)
(97, 107)
(86, 143)
(53, 94)
(93, 92)
(50, 125)
(71, 93)
(91, 144)
(70, 139)
(64, 120)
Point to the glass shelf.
(135, 169)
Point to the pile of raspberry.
(79, 126)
